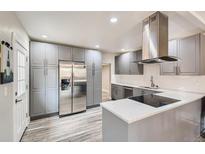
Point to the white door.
(21, 91)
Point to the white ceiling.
(86, 29)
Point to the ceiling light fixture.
(122, 49)
(97, 46)
(44, 36)
(113, 20)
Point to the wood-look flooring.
(86, 126)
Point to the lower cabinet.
(93, 61)
(117, 92)
(44, 91)
(139, 92)
(37, 103)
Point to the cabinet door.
(37, 103)
(97, 87)
(78, 54)
(51, 101)
(51, 55)
(170, 68)
(135, 68)
(64, 53)
(117, 69)
(124, 63)
(97, 77)
(113, 92)
(93, 60)
(89, 66)
(37, 91)
(117, 92)
(189, 54)
(137, 92)
(37, 78)
(51, 90)
(37, 53)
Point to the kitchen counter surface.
(131, 111)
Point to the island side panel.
(179, 124)
(113, 128)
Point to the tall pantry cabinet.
(93, 61)
(44, 78)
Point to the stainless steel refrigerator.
(72, 87)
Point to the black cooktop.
(154, 100)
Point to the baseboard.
(92, 106)
(43, 116)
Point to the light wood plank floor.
(86, 126)
(80, 127)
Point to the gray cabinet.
(51, 90)
(170, 68)
(64, 53)
(37, 54)
(189, 53)
(78, 54)
(44, 79)
(190, 50)
(37, 91)
(44, 54)
(93, 60)
(117, 92)
(136, 68)
(51, 55)
(139, 92)
(126, 63)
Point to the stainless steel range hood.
(155, 40)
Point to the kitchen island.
(129, 120)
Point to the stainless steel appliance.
(155, 40)
(154, 100)
(72, 87)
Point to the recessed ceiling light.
(122, 49)
(97, 46)
(44, 36)
(113, 20)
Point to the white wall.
(9, 23)
(109, 58)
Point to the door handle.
(18, 100)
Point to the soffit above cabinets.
(88, 29)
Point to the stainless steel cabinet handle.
(18, 100)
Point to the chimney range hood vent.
(155, 40)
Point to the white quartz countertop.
(131, 111)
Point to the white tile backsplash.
(185, 83)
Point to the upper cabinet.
(170, 68)
(37, 54)
(126, 63)
(44, 54)
(191, 52)
(78, 54)
(64, 53)
(51, 54)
